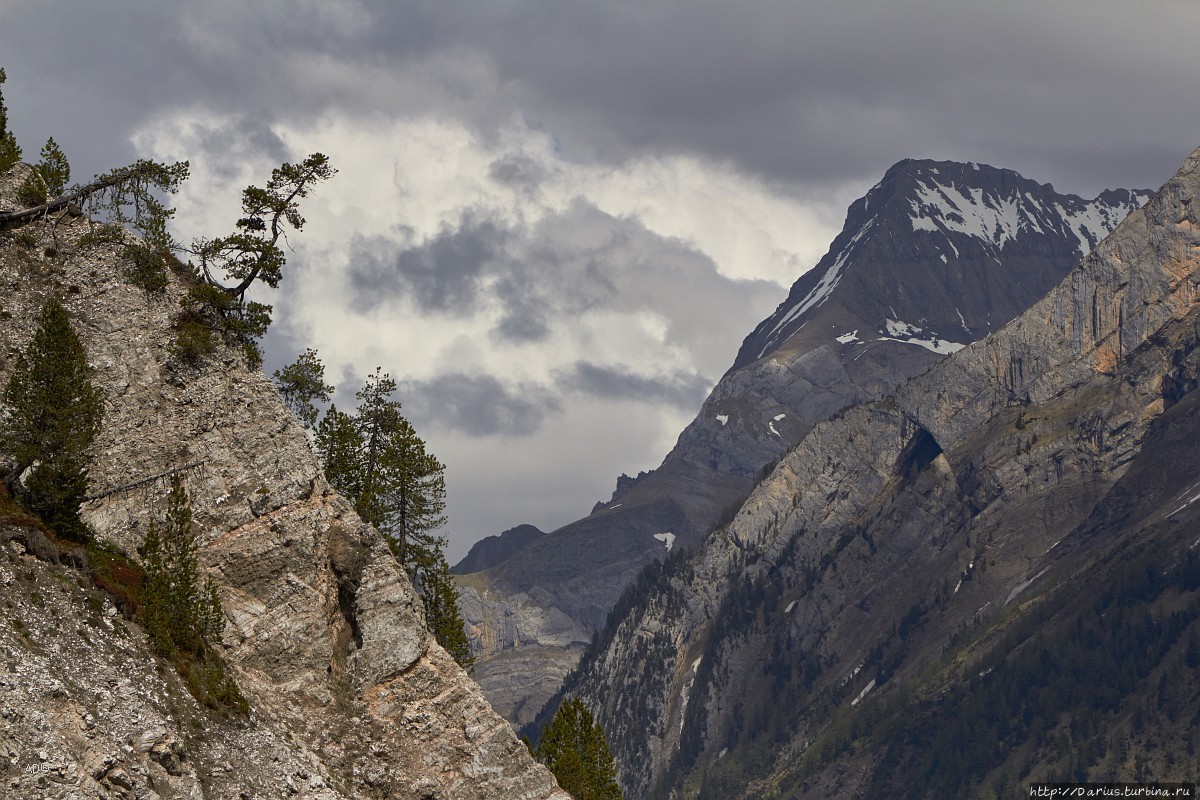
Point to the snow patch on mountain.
(996, 220)
(666, 538)
(820, 293)
(971, 211)
(1187, 502)
(1093, 222)
(955, 212)
(907, 333)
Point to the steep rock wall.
(350, 696)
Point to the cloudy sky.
(555, 220)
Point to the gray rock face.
(898, 523)
(493, 550)
(932, 258)
(350, 697)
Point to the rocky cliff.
(915, 554)
(935, 256)
(349, 696)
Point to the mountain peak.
(947, 225)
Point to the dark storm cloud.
(584, 260)
(684, 390)
(1084, 94)
(479, 405)
(240, 140)
(810, 93)
(442, 274)
(520, 172)
(485, 405)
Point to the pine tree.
(375, 458)
(573, 747)
(229, 265)
(53, 414)
(3, 108)
(53, 168)
(301, 383)
(340, 447)
(180, 613)
(48, 178)
(442, 616)
(402, 488)
(10, 152)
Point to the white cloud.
(552, 277)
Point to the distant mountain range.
(988, 577)
(935, 256)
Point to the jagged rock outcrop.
(349, 696)
(899, 527)
(933, 257)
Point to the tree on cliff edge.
(376, 459)
(10, 153)
(52, 413)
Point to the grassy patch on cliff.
(124, 580)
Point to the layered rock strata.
(349, 696)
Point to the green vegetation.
(573, 747)
(216, 307)
(251, 254)
(375, 458)
(10, 153)
(48, 178)
(1082, 692)
(53, 414)
(53, 168)
(181, 614)
(301, 383)
(442, 616)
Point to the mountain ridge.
(950, 499)
(889, 299)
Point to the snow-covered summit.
(997, 216)
(933, 244)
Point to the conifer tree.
(376, 459)
(52, 415)
(53, 168)
(181, 613)
(442, 616)
(49, 177)
(10, 153)
(229, 265)
(301, 383)
(382, 465)
(339, 447)
(573, 747)
(3, 108)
